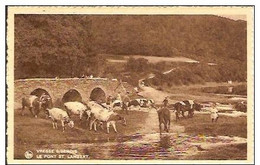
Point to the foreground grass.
(30, 133)
(225, 126)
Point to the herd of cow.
(98, 114)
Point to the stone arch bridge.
(57, 88)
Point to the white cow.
(77, 108)
(100, 114)
(58, 114)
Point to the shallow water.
(151, 146)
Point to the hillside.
(67, 45)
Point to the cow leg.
(100, 124)
(177, 115)
(30, 109)
(191, 113)
(47, 115)
(63, 125)
(108, 125)
(114, 125)
(37, 112)
(95, 126)
(126, 109)
(34, 112)
(91, 124)
(182, 113)
(56, 124)
(53, 124)
(80, 118)
(169, 124)
(216, 119)
(165, 125)
(160, 128)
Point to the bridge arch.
(98, 94)
(39, 91)
(71, 95)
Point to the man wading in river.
(125, 103)
(165, 101)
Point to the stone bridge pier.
(61, 89)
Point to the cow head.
(197, 106)
(71, 124)
(123, 120)
(87, 113)
(117, 117)
(45, 103)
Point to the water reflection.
(149, 146)
(165, 141)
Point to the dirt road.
(156, 95)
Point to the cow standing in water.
(186, 105)
(164, 117)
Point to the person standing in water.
(125, 102)
(214, 113)
(165, 101)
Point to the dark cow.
(186, 105)
(144, 103)
(46, 103)
(33, 103)
(164, 117)
(133, 103)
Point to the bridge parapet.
(58, 87)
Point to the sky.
(235, 17)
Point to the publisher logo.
(28, 154)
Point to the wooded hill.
(68, 45)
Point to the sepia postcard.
(118, 84)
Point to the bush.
(242, 107)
